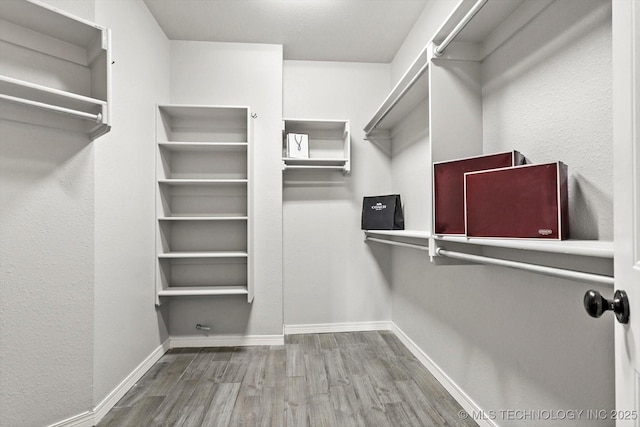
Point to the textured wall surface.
(46, 267)
(329, 273)
(511, 339)
(547, 93)
(128, 327)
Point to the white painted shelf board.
(407, 103)
(178, 181)
(414, 234)
(203, 218)
(50, 22)
(592, 248)
(202, 146)
(203, 291)
(297, 125)
(315, 161)
(203, 254)
(195, 112)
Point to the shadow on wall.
(316, 185)
(506, 337)
(225, 315)
(531, 47)
(31, 154)
(584, 217)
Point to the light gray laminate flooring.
(336, 379)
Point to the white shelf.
(408, 93)
(67, 50)
(203, 218)
(589, 248)
(203, 201)
(202, 146)
(315, 161)
(192, 255)
(180, 181)
(329, 144)
(187, 123)
(411, 90)
(203, 291)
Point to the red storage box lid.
(527, 201)
(448, 187)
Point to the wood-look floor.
(343, 379)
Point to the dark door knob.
(596, 304)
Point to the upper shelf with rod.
(476, 28)
(411, 90)
(472, 31)
(66, 81)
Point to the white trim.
(225, 341)
(456, 392)
(321, 328)
(86, 419)
(102, 408)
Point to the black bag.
(382, 213)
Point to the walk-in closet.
(189, 192)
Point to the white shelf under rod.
(541, 269)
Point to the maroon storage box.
(527, 201)
(448, 187)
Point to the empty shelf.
(203, 291)
(203, 254)
(203, 218)
(201, 181)
(203, 146)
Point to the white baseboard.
(456, 392)
(225, 341)
(323, 328)
(101, 409)
(86, 419)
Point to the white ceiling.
(320, 30)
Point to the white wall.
(510, 339)
(330, 274)
(547, 93)
(128, 327)
(251, 75)
(47, 264)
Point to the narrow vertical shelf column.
(203, 201)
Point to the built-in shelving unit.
(329, 144)
(203, 204)
(447, 73)
(65, 82)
